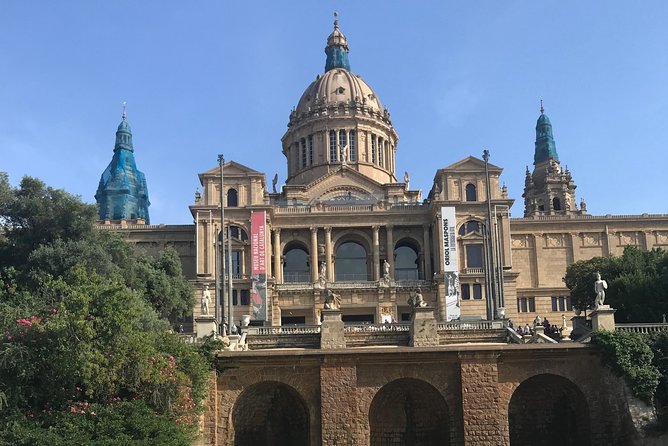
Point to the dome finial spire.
(337, 48)
(125, 106)
(542, 110)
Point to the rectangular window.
(236, 262)
(245, 297)
(380, 152)
(353, 146)
(373, 149)
(234, 298)
(555, 303)
(466, 291)
(303, 151)
(310, 150)
(477, 291)
(474, 256)
(332, 146)
(526, 305)
(569, 304)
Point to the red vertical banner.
(259, 265)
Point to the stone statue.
(206, 300)
(417, 300)
(386, 270)
(538, 321)
(407, 180)
(332, 301)
(599, 287)
(437, 190)
(323, 272)
(274, 182)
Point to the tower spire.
(546, 148)
(337, 48)
(542, 110)
(125, 106)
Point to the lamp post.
(499, 255)
(221, 293)
(490, 240)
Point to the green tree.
(637, 284)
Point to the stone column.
(314, 254)
(480, 399)
(376, 254)
(278, 261)
(328, 254)
(390, 249)
(575, 246)
(426, 252)
(648, 241)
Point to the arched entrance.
(409, 412)
(548, 410)
(270, 414)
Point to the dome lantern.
(337, 49)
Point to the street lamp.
(220, 239)
(489, 251)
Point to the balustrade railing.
(375, 328)
(474, 325)
(642, 328)
(296, 276)
(283, 330)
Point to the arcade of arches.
(497, 395)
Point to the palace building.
(345, 222)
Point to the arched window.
(406, 265)
(350, 262)
(238, 233)
(353, 146)
(469, 227)
(556, 204)
(380, 152)
(232, 198)
(471, 192)
(295, 264)
(332, 146)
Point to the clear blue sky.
(210, 77)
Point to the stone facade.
(343, 212)
(477, 395)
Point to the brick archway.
(270, 413)
(546, 410)
(409, 411)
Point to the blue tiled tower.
(122, 193)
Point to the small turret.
(122, 193)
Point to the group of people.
(548, 329)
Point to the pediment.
(232, 168)
(472, 164)
(344, 184)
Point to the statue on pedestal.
(599, 287)
(206, 300)
(332, 301)
(386, 270)
(417, 300)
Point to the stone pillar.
(480, 399)
(648, 240)
(328, 254)
(376, 254)
(278, 258)
(339, 408)
(314, 254)
(331, 330)
(205, 325)
(603, 318)
(390, 249)
(423, 331)
(426, 252)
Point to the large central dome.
(339, 121)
